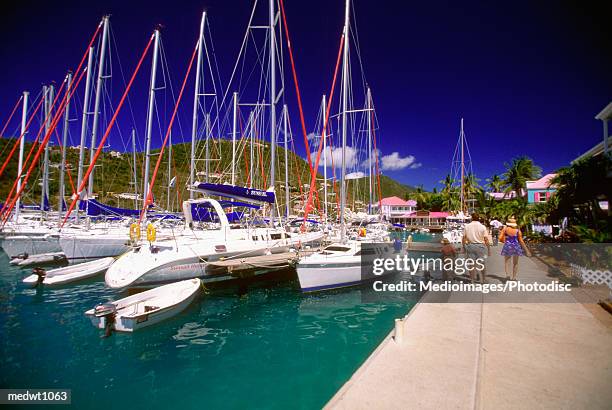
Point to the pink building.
(394, 207)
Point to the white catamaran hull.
(169, 261)
(32, 245)
(94, 246)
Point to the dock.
(490, 355)
(240, 266)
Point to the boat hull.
(88, 247)
(126, 322)
(315, 277)
(31, 244)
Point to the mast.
(134, 168)
(207, 155)
(194, 120)
(96, 113)
(234, 139)
(63, 149)
(344, 110)
(145, 190)
(285, 114)
(252, 131)
(462, 199)
(24, 115)
(84, 119)
(369, 114)
(272, 38)
(45, 176)
(324, 136)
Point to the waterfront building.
(541, 190)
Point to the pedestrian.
(476, 246)
(495, 225)
(514, 247)
(449, 254)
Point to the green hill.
(114, 174)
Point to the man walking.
(495, 225)
(476, 245)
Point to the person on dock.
(495, 226)
(449, 253)
(476, 245)
(514, 247)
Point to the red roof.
(394, 201)
(542, 183)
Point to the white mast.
(45, 176)
(285, 132)
(369, 114)
(207, 155)
(96, 113)
(134, 168)
(145, 190)
(344, 110)
(234, 139)
(462, 199)
(194, 121)
(252, 119)
(272, 37)
(64, 143)
(24, 115)
(324, 136)
(84, 119)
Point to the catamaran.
(194, 253)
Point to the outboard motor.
(108, 312)
(41, 273)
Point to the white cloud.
(393, 162)
(416, 165)
(354, 175)
(330, 155)
(312, 136)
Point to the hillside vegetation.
(114, 174)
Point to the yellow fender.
(151, 233)
(134, 232)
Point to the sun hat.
(511, 223)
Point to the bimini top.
(235, 192)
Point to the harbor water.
(271, 347)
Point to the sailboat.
(340, 263)
(455, 222)
(194, 253)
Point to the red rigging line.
(316, 166)
(313, 171)
(106, 133)
(10, 155)
(58, 115)
(8, 121)
(149, 197)
(53, 125)
(32, 148)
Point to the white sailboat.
(192, 254)
(339, 264)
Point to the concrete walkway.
(489, 356)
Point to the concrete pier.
(490, 356)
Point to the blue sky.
(528, 78)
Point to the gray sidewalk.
(489, 356)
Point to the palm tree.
(518, 172)
(495, 183)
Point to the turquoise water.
(269, 348)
